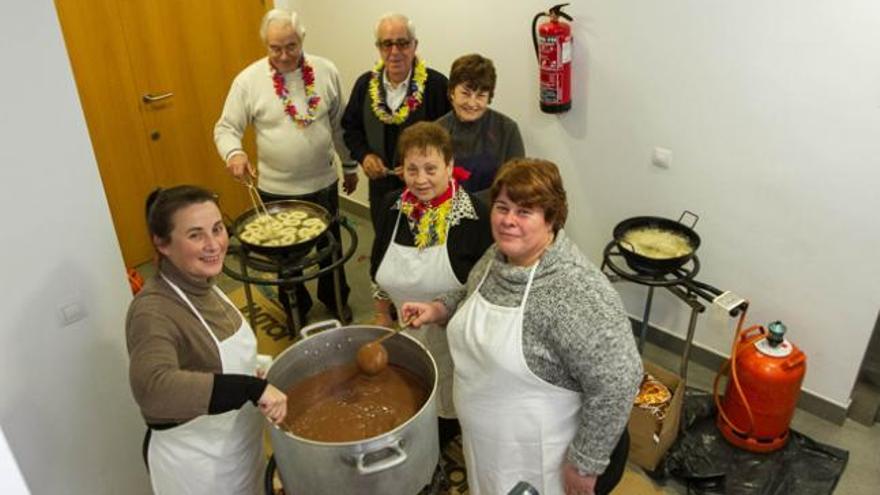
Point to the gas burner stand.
(680, 282)
(290, 271)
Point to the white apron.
(220, 454)
(515, 426)
(410, 274)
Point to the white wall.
(11, 481)
(772, 111)
(65, 405)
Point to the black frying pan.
(297, 249)
(656, 266)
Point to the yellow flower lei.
(415, 94)
(431, 229)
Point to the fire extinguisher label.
(566, 51)
(549, 53)
(550, 87)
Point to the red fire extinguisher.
(552, 41)
(766, 372)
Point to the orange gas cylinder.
(766, 372)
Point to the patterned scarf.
(428, 219)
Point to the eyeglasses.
(401, 44)
(288, 49)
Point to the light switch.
(662, 157)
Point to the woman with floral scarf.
(427, 239)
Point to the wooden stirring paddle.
(372, 357)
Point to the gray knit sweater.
(575, 335)
(481, 147)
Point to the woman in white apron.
(546, 367)
(428, 238)
(193, 358)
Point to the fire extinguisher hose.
(731, 364)
(538, 16)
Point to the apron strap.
(189, 303)
(396, 224)
(528, 284)
(485, 274)
(228, 301)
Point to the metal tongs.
(254, 195)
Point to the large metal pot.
(401, 461)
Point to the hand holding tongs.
(254, 195)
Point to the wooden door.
(106, 84)
(152, 77)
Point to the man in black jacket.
(399, 91)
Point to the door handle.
(151, 98)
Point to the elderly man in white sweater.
(295, 102)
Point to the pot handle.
(308, 330)
(631, 248)
(389, 462)
(688, 212)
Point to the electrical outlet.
(662, 157)
(71, 312)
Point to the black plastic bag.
(707, 464)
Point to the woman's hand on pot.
(418, 314)
(273, 404)
(576, 483)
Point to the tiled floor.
(862, 475)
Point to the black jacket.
(435, 103)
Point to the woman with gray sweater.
(546, 368)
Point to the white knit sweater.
(292, 160)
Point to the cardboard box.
(650, 438)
